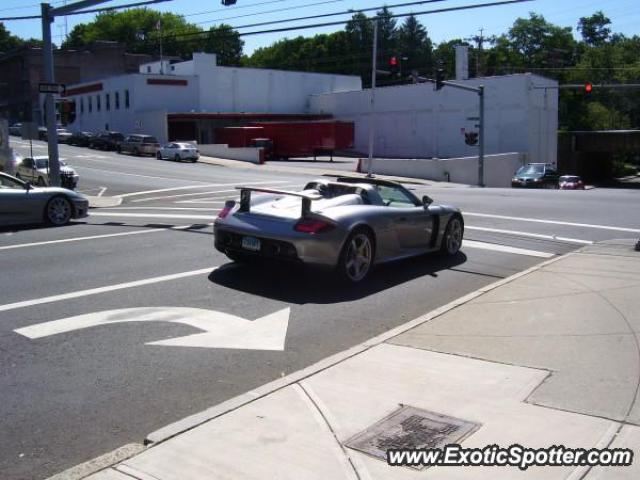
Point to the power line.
(324, 15)
(341, 22)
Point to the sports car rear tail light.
(313, 226)
(226, 210)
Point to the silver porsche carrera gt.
(348, 224)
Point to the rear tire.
(453, 235)
(356, 258)
(58, 211)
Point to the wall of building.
(149, 95)
(498, 169)
(22, 71)
(414, 121)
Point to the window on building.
(126, 99)
(107, 101)
(90, 104)
(98, 103)
(81, 105)
(116, 100)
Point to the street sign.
(55, 88)
(29, 131)
(219, 330)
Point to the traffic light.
(394, 66)
(439, 78)
(471, 138)
(588, 88)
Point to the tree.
(415, 45)
(9, 42)
(138, 28)
(540, 43)
(226, 43)
(594, 29)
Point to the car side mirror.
(427, 200)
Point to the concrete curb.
(100, 463)
(318, 172)
(230, 405)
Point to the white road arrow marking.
(220, 330)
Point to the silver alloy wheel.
(454, 236)
(58, 211)
(359, 257)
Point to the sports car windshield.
(395, 197)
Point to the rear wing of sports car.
(245, 197)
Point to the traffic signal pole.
(48, 16)
(372, 99)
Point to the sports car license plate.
(251, 243)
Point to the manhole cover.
(411, 428)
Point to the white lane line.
(505, 249)
(552, 222)
(205, 201)
(527, 234)
(191, 187)
(212, 192)
(96, 237)
(166, 208)
(112, 172)
(102, 213)
(106, 289)
(148, 199)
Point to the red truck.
(291, 139)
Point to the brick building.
(21, 71)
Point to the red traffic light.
(588, 87)
(393, 61)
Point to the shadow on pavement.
(300, 285)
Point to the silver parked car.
(20, 203)
(36, 171)
(349, 224)
(139, 145)
(178, 151)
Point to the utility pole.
(372, 99)
(48, 16)
(481, 138)
(49, 107)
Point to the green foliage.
(142, 29)
(10, 42)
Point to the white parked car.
(36, 171)
(178, 151)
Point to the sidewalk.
(318, 168)
(547, 357)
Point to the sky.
(624, 14)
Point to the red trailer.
(291, 139)
(305, 139)
(238, 137)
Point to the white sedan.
(178, 151)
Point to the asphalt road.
(91, 384)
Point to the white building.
(190, 99)
(415, 121)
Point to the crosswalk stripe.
(505, 249)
